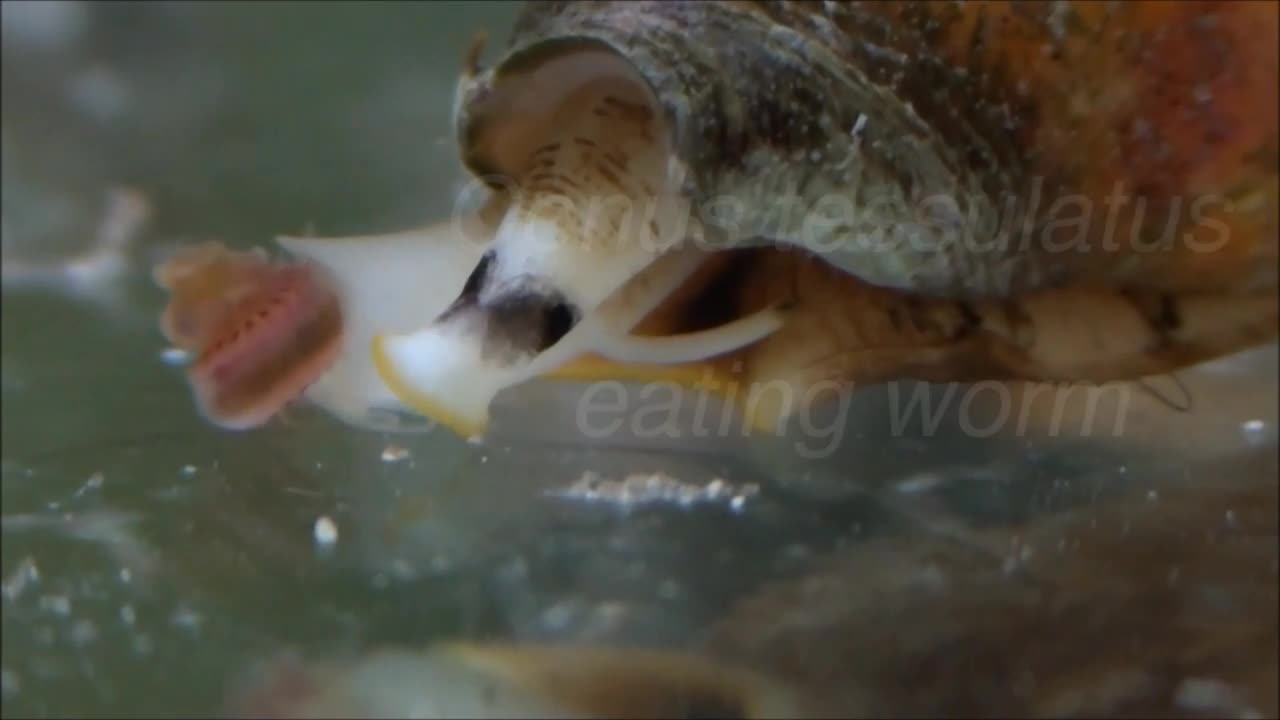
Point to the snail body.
(934, 131)
(943, 191)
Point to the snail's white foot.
(447, 377)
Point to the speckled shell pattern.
(942, 147)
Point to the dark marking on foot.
(969, 319)
(895, 317)
(1169, 319)
(1168, 402)
(931, 319)
(1160, 312)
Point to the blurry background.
(227, 121)
(149, 559)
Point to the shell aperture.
(584, 251)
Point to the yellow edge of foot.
(420, 402)
(696, 376)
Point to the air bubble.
(325, 531)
